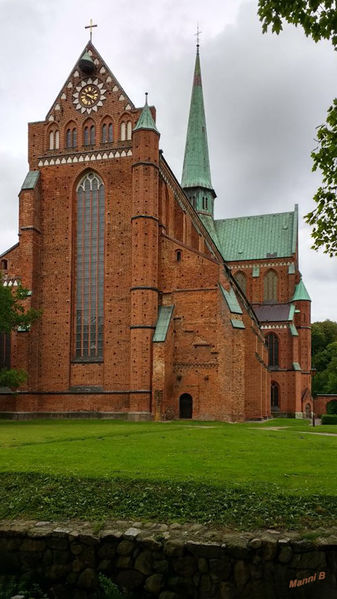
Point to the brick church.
(151, 308)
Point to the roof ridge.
(217, 220)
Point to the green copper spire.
(196, 179)
(301, 293)
(145, 120)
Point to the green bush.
(331, 407)
(329, 419)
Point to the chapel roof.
(258, 237)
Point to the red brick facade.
(157, 252)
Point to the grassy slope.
(231, 474)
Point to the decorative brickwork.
(158, 251)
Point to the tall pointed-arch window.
(57, 140)
(274, 396)
(110, 132)
(92, 134)
(74, 138)
(89, 268)
(104, 134)
(86, 136)
(68, 138)
(270, 286)
(123, 131)
(129, 130)
(240, 278)
(273, 350)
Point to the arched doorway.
(185, 406)
(275, 397)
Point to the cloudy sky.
(264, 97)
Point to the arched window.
(270, 286)
(92, 135)
(89, 270)
(51, 140)
(57, 140)
(129, 130)
(273, 350)
(68, 138)
(110, 132)
(274, 396)
(123, 131)
(74, 138)
(240, 278)
(86, 136)
(104, 134)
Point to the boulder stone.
(154, 583)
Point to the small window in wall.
(273, 350)
(51, 140)
(240, 278)
(4, 264)
(74, 136)
(178, 255)
(86, 136)
(123, 131)
(270, 286)
(205, 203)
(110, 133)
(129, 130)
(57, 140)
(275, 396)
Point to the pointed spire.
(301, 293)
(145, 120)
(196, 170)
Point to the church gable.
(91, 73)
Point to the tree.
(13, 315)
(324, 356)
(318, 20)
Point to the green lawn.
(235, 474)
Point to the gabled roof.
(259, 237)
(92, 52)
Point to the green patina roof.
(196, 170)
(260, 237)
(145, 120)
(163, 323)
(293, 330)
(31, 179)
(237, 324)
(291, 312)
(231, 300)
(301, 293)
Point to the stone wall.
(169, 561)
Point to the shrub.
(331, 407)
(329, 419)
